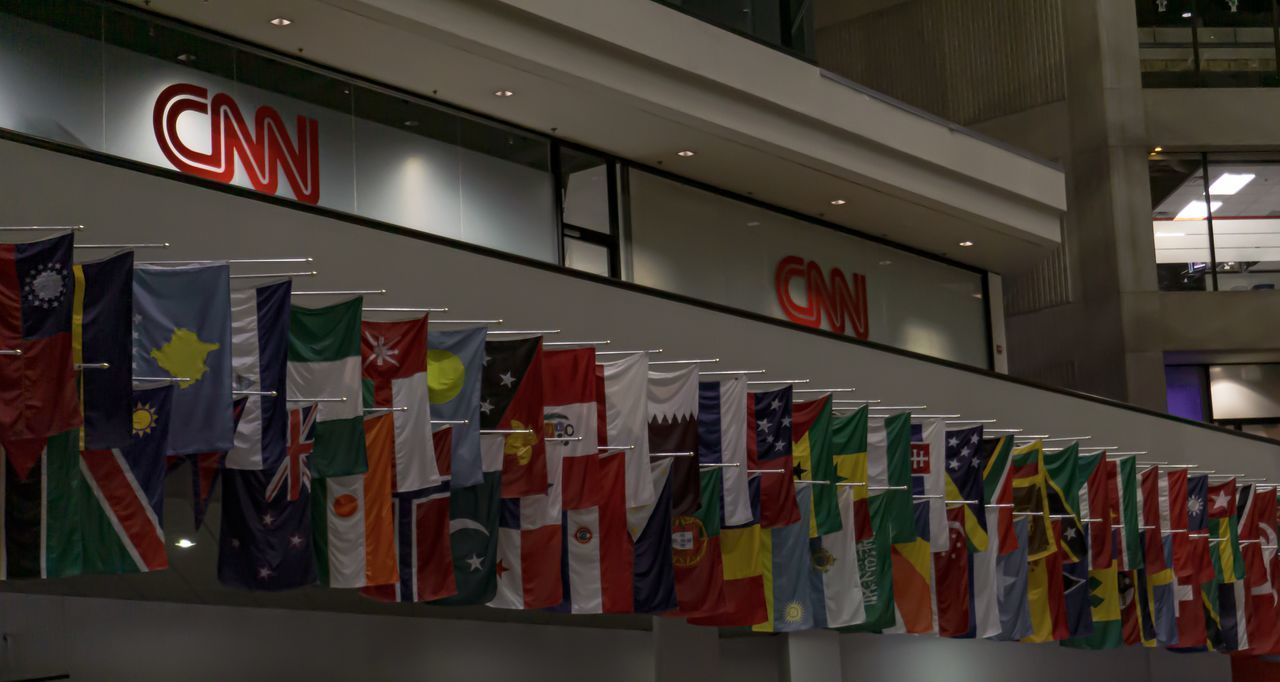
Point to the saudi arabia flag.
(324, 364)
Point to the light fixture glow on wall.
(281, 21)
(966, 243)
(1196, 210)
(1230, 183)
(686, 153)
(838, 202)
(503, 93)
(184, 543)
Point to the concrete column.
(811, 656)
(683, 652)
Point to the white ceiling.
(932, 188)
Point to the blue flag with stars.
(965, 464)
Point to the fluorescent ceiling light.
(1230, 183)
(1196, 210)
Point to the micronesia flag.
(182, 328)
(722, 438)
(259, 360)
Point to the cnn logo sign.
(842, 301)
(265, 150)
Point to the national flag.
(569, 413)
(473, 529)
(654, 587)
(259, 360)
(37, 378)
(1196, 539)
(206, 471)
(673, 427)
(722, 438)
(1258, 528)
(835, 583)
(1098, 509)
(955, 608)
(875, 568)
(1161, 589)
(265, 539)
(353, 519)
(393, 356)
(889, 473)
(102, 329)
(324, 364)
(769, 449)
(995, 491)
(425, 569)
(1067, 472)
(1228, 563)
(1046, 594)
(121, 517)
(784, 560)
(849, 445)
(965, 462)
(598, 561)
(1014, 593)
(182, 330)
(455, 363)
(1031, 499)
(1135, 609)
(40, 509)
(511, 400)
(928, 477)
(695, 545)
(1105, 611)
(743, 585)
(913, 585)
(1122, 478)
(622, 389)
(812, 459)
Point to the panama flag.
(259, 361)
(353, 518)
(597, 567)
(324, 363)
(929, 476)
(102, 329)
(569, 428)
(835, 582)
(622, 389)
(722, 438)
(394, 357)
(673, 428)
(37, 375)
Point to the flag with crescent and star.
(473, 529)
(769, 452)
(511, 399)
(394, 360)
(265, 539)
(1258, 539)
(37, 374)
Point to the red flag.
(1152, 513)
(1105, 508)
(38, 395)
(570, 411)
(1258, 528)
(511, 399)
(695, 544)
(769, 448)
(952, 570)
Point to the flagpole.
(11, 351)
(341, 292)
(729, 371)
(763, 382)
(627, 352)
(39, 228)
(267, 275)
(409, 310)
(233, 261)
(684, 362)
(93, 365)
(530, 332)
(823, 390)
(139, 245)
(577, 343)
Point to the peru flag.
(598, 561)
(37, 375)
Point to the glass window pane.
(1245, 391)
(507, 191)
(1237, 47)
(586, 256)
(1180, 222)
(585, 190)
(1164, 39)
(1246, 222)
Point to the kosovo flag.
(182, 330)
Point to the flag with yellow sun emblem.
(785, 560)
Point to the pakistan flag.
(324, 365)
(182, 333)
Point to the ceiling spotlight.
(838, 202)
(503, 93)
(1186, 15)
(184, 543)
(281, 21)
(966, 243)
(686, 153)
(411, 123)
(1157, 150)
(186, 58)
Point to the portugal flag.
(695, 550)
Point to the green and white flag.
(1125, 490)
(324, 364)
(40, 510)
(473, 530)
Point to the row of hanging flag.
(420, 465)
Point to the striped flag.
(784, 560)
(835, 581)
(622, 389)
(101, 329)
(812, 459)
(394, 366)
(40, 509)
(259, 361)
(722, 438)
(324, 362)
(597, 567)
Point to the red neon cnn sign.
(266, 151)
(842, 301)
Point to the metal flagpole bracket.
(728, 371)
(972, 421)
(763, 382)
(768, 471)
(627, 352)
(928, 496)
(316, 400)
(563, 439)
(617, 447)
(719, 465)
(139, 245)
(823, 390)
(11, 351)
(386, 409)
(172, 380)
(1002, 430)
(962, 502)
(269, 394)
(577, 343)
(450, 421)
(999, 506)
(490, 431)
(410, 310)
(888, 487)
(672, 454)
(853, 484)
(900, 407)
(93, 365)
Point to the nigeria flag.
(324, 364)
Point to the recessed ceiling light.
(411, 123)
(184, 543)
(686, 153)
(1157, 150)
(1230, 183)
(753, 223)
(186, 58)
(281, 21)
(1186, 15)
(503, 93)
(966, 243)
(1196, 210)
(838, 202)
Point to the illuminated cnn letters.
(265, 151)
(842, 301)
